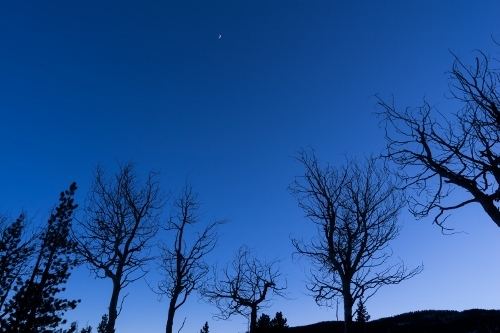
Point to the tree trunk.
(38, 288)
(253, 319)
(113, 304)
(171, 314)
(347, 311)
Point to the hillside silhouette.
(427, 321)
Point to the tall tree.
(246, 286)
(35, 307)
(183, 265)
(121, 218)
(437, 153)
(355, 209)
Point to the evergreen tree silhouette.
(278, 323)
(15, 255)
(103, 324)
(263, 324)
(362, 316)
(205, 328)
(87, 329)
(35, 307)
(267, 325)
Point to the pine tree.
(35, 308)
(362, 316)
(205, 328)
(278, 323)
(263, 324)
(87, 329)
(101, 328)
(15, 254)
(267, 325)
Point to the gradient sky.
(83, 82)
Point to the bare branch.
(436, 154)
(182, 326)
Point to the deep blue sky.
(84, 82)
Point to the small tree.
(362, 316)
(246, 286)
(35, 306)
(87, 329)
(267, 325)
(101, 328)
(204, 328)
(278, 324)
(263, 324)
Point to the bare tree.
(355, 209)
(437, 154)
(121, 218)
(245, 286)
(183, 265)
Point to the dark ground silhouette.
(428, 321)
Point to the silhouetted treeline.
(428, 321)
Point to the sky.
(224, 93)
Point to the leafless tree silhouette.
(437, 154)
(121, 218)
(355, 209)
(182, 265)
(244, 286)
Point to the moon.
(220, 36)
